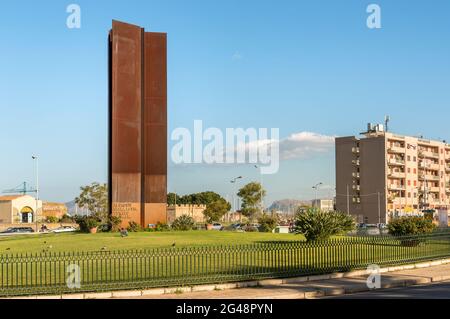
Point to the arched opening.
(27, 215)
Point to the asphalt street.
(429, 291)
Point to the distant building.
(326, 205)
(383, 175)
(194, 211)
(19, 209)
(57, 210)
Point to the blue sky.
(301, 66)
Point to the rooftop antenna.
(387, 118)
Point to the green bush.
(134, 227)
(183, 223)
(316, 224)
(86, 223)
(52, 219)
(67, 219)
(404, 226)
(162, 227)
(267, 223)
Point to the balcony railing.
(429, 177)
(396, 161)
(396, 187)
(396, 149)
(428, 154)
(356, 175)
(397, 175)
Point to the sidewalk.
(315, 289)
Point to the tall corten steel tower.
(137, 124)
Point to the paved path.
(427, 291)
(323, 288)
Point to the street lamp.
(233, 181)
(36, 159)
(261, 189)
(316, 187)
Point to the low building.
(194, 211)
(326, 205)
(19, 209)
(57, 210)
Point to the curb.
(309, 294)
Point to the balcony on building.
(429, 177)
(396, 187)
(396, 149)
(428, 154)
(396, 161)
(397, 175)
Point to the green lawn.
(194, 260)
(70, 242)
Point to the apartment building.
(384, 175)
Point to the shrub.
(316, 224)
(267, 223)
(183, 223)
(404, 226)
(134, 227)
(67, 219)
(86, 223)
(52, 219)
(162, 227)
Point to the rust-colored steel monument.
(137, 124)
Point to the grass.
(70, 242)
(194, 260)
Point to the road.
(429, 291)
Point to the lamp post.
(316, 188)
(233, 181)
(260, 190)
(36, 159)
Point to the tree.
(94, 197)
(267, 223)
(173, 198)
(316, 224)
(216, 210)
(203, 198)
(251, 196)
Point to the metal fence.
(55, 273)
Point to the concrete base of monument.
(155, 213)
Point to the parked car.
(64, 229)
(237, 226)
(217, 226)
(18, 230)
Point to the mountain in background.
(288, 206)
(73, 209)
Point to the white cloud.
(296, 146)
(305, 145)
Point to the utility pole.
(233, 181)
(37, 191)
(348, 201)
(379, 210)
(316, 187)
(260, 190)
